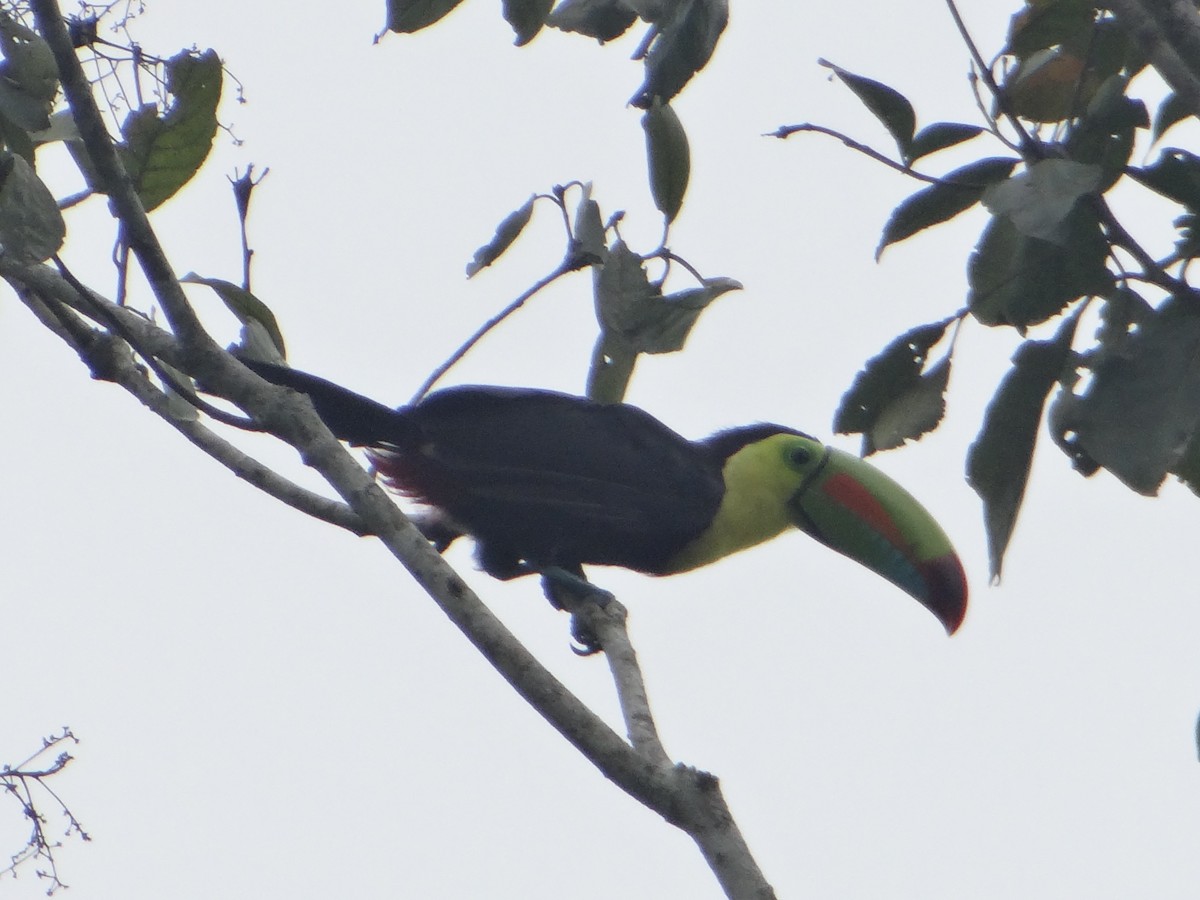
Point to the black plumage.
(538, 478)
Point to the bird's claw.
(558, 584)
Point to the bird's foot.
(564, 589)
(437, 530)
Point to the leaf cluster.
(1064, 113)
(162, 144)
(679, 39)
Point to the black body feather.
(537, 477)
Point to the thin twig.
(567, 265)
(168, 377)
(785, 131)
(1030, 147)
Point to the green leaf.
(885, 381)
(999, 460)
(243, 304)
(667, 156)
(407, 16)
(1173, 110)
(1019, 280)
(604, 20)
(1141, 409)
(31, 226)
(506, 232)
(526, 18)
(939, 136)
(887, 104)
(956, 193)
(28, 75)
(162, 153)
(682, 47)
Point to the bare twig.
(1030, 148)
(784, 131)
(21, 782)
(567, 265)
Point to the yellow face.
(761, 481)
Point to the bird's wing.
(558, 475)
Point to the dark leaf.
(621, 289)
(16, 139)
(526, 18)
(589, 236)
(31, 226)
(683, 46)
(916, 412)
(506, 232)
(1141, 410)
(1020, 280)
(1175, 175)
(939, 136)
(885, 379)
(663, 323)
(999, 460)
(887, 104)
(957, 192)
(1105, 135)
(604, 20)
(407, 16)
(162, 153)
(668, 158)
(629, 306)
(28, 75)
(1041, 25)
(1188, 467)
(1173, 110)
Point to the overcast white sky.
(270, 708)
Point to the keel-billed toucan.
(541, 479)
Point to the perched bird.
(542, 480)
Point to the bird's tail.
(351, 417)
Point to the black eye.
(800, 456)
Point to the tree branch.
(117, 184)
(111, 360)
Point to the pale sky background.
(269, 707)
